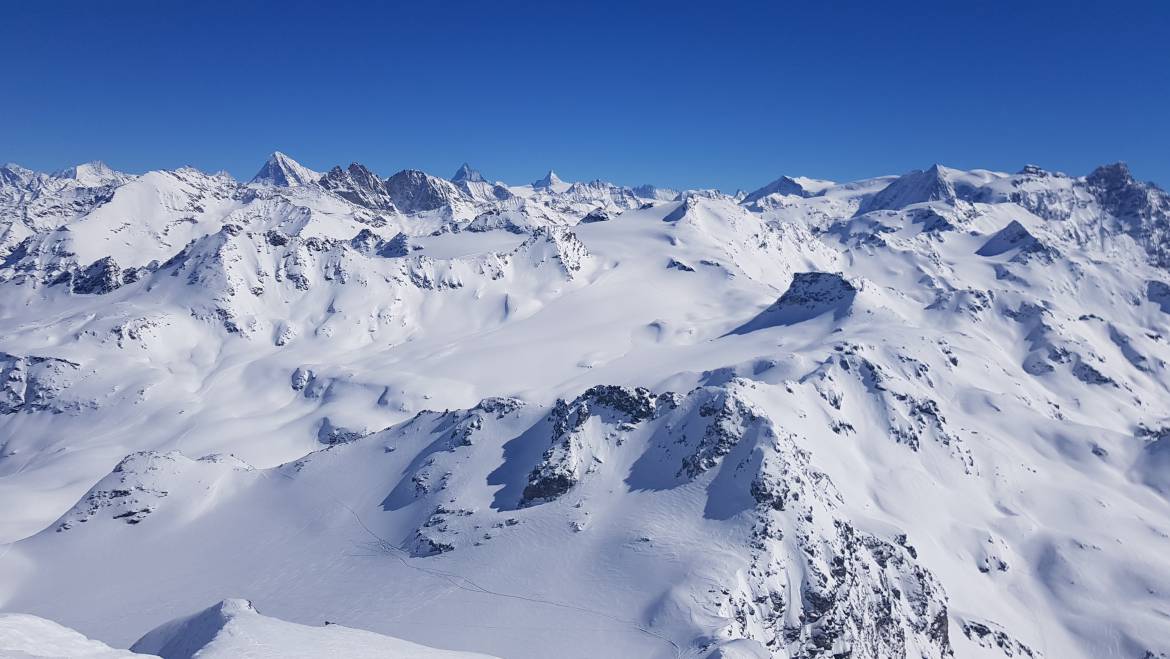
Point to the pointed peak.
(550, 179)
(466, 173)
(282, 171)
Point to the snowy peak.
(184, 637)
(93, 174)
(550, 180)
(917, 187)
(466, 173)
(648, 191)
(284, 172)
(787, 185)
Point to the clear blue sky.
(717, 94)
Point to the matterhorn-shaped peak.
(282, 171)
(550, 180)
(466, 173)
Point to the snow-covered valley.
(924, 415)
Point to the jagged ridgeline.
(912, 416)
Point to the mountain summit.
(550, 180)
(466, 173)
(281, 171)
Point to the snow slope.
(228, 630)
(905, 416)
(29, 637)
(233, 628)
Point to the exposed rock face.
(555, 244)
(815, 585)
(35, 384)
(98, 278)
(810, 294)
(414, 191)
(1141, 209)
(1015, 237)
(595, 215)
(369, 243)
(329, 433)
(1158, 292)
(571, 452)
(360, 186)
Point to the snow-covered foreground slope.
(229, 630)
(910, 416)
(24, 636)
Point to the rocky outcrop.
(36, 384)
(1141, 209)
(140, 483)
(595, 215)
(360, 186)
(98, 278)
(811, 294)
(574, 451)
(556, 244)
(1015, 238)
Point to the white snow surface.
(916, 416)
(230, 629)
(233, 628)
(24, 636)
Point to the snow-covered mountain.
(921, 416)
(280, 170)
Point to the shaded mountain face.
(414, 191)
(360, 186)
(1141, 210)
(549, 180)
(787, 185)
(282, 171)
(935, 184)
(904, 416)
(466, 173)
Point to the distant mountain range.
(924, 415)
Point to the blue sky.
(722, 94)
